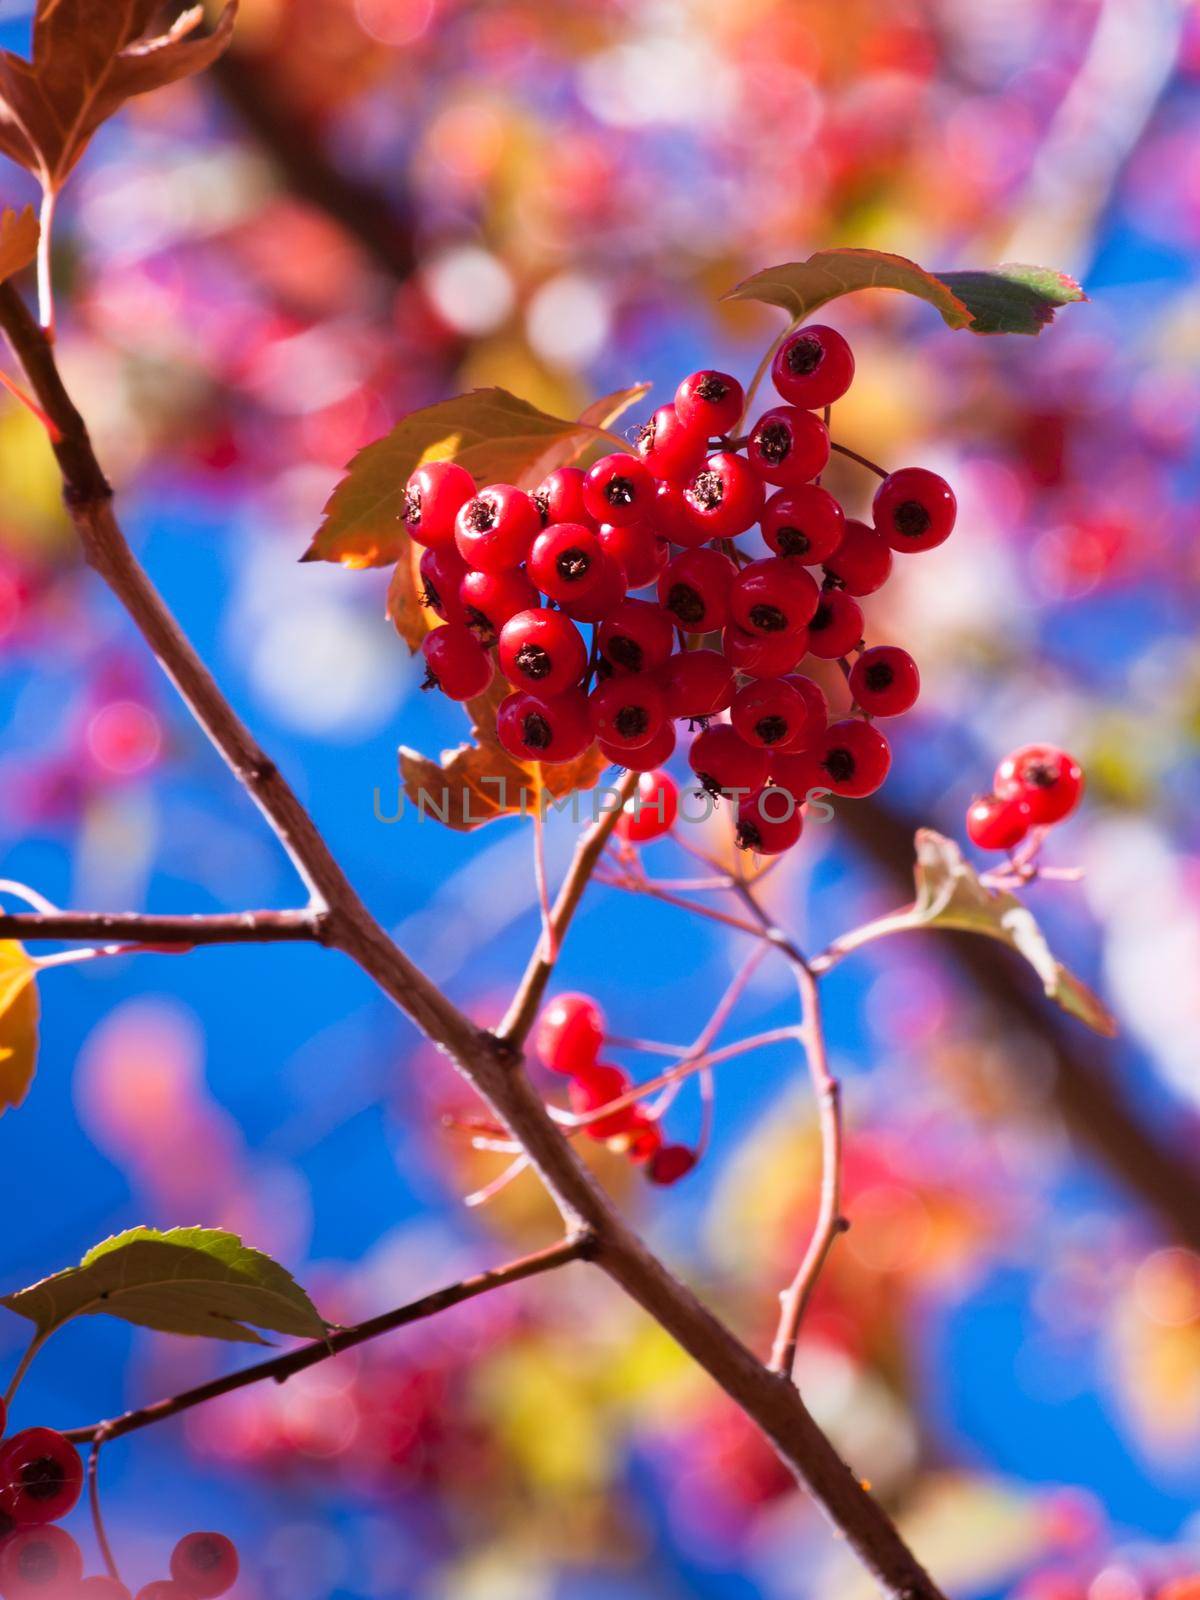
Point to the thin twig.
(141, 928)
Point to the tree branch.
(579, 1247)
(138, 927)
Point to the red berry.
(101, 1587)
(162, 1589)
(40, 1476)
(542, 650)
(813, 367)
(627, 711)
(711, 402)
(646, 757)
(768, 823)
(884, 681)
(998, 823)
(862, 562)
(855, 758)
(769, 712)
(671, 516)
(602, 600)
(772, 597)
(695, 587)
(638, 550)
(637, 636)
(455, 662)
(725, 763)
(800, 773)
(669, 447)
(721, 502)
(1047, 778)
(764, 655)
(650, 811)
(567, 563)
(619, 489)
(788, 446)
(433, 497)
(836, 626)
(696, 683)
(805, 522)
(816, 712)
(604, 1083)
(495, 529)
(442, 571)
(914, 509)
(205, 1564)
(559, 496)
(39, 1564)
(535, 727)
(645, 1139)
(489, 599)
(672, 1162)
(570, 1034)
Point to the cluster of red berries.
(41, 1477)
(569, 1037)
(512, 575)
(1034, 787)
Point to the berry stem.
(764, 366)
(548, 947)
(863, 461)
(23, 1366)
(93, 1484)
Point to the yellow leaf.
(18, 1024)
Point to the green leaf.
(196, 1281)
(950, 895)
(496, 436)
(1007, 299)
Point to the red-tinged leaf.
(496, 436)
(406, 611)
(604, 412)
(89, 58)
(1003, 299)
(18, 241)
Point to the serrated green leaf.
(1005, 299)
(196, 1281)
(496, 436)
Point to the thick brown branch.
(138, 927)
(577, 1248)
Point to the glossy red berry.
(455, 662)
(670, 1163)
(711, 402)
(696, 683)
(433, 497)
(805, 522)
(862, 562)
(535, 727)
(644, 1139)
(669, 447)
(162, 1589)
(1047, 778)
(725, 764)
(721, 501)
(646, 757)
(768, 823)
(800, 772)
(816, 708)
(884, 681)
(542, 650)
(788, 446)
(442, 571)
(670, 515)
(495, 529)
(764, 655)
(773, 596)
(636, 637)
(639, 551)
(205, 1564)
(770, 712)
(567, 563)
(559, 496)
(604, 1083)
(101, 1587)
(39, 1564)
(570, 1034)
(855, 757)
(489, 599)
(836, 625)
(40, 1476)
(650, 811)
(695, 587)
(602, 600)
(813, 367)
(627, 711)
(998, 823)
(619, 489)
(914, 509)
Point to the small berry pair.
(1034, 787)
